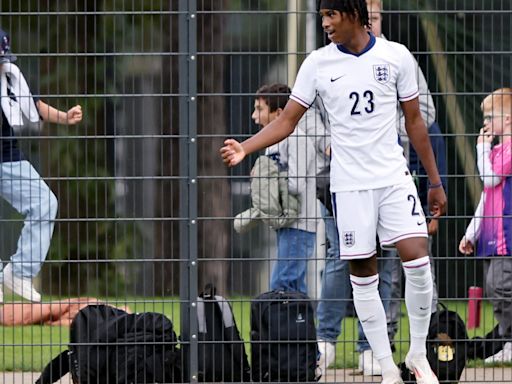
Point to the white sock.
(371, 313)
(418, 299)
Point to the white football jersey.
(360, 94)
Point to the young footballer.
(359, 79)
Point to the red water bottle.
(474, 307)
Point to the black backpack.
(221, 351)
(484, 347)
(447, 346)
(108, 345)
(283, 338)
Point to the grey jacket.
(271, 201)
(297, 155)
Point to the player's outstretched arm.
(234, 152)
(418, 135)
(53, 115)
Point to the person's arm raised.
(234, 152)
(53, 115)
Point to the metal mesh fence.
(131, 205)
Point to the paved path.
(470, 375)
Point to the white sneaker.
(327, 354)
(392, 377)
(420, 367)
(368, 364)
(20, 286)
(503, 356)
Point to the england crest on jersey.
(349, 238)
(381, 73)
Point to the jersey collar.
(369, 46)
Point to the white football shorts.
(393, 213)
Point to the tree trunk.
(213, 194)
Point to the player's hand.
(433, 226)
(485, 136)
(465, 246)
(74, 115)
(437, 201)
(232, 152)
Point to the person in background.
(428, 113)
(20, 183)
(296, 155)
(60, 313)
(489, 234)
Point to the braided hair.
(352, 7)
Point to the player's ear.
(278, 111)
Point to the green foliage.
(80, 166)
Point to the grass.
(30, 348)
(347, 356)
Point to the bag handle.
(435, 316)
(55, 369)
(201, 317)
(209, 291)
(439, 304)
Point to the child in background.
(491, 227)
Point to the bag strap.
(55, 369)
(225, 309)
(201, 317)
(439, 304)
(227, 314)
(440, 308)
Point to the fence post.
(188, 176)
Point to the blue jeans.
(294, 248)
(26, 191)
(336, 288)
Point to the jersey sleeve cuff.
(300, 100)
(409, 96)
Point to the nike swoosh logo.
(365, 320)
(423, 308)
(420, 222)
(333, 79)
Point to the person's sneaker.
(503, 356)
(392, 380)
(420, 367)
(327, 356)
(20, 286)
(368, 364)
(392, 377)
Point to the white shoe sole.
(28, 294)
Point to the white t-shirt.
(360, 94)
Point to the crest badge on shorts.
(381, 73)
(349, 238)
